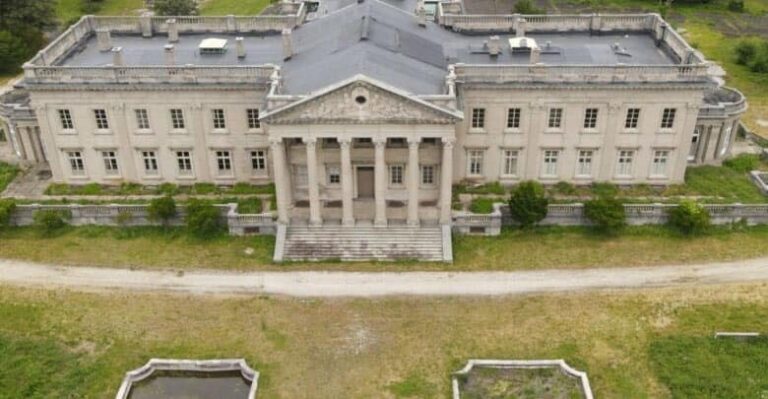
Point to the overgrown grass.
(541, 248)
(61, 343)
(705, 367)
(237, 7)
(8, 172)
(483, 205)
(129, 188)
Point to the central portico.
(362, 153)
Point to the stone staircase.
(297, 242)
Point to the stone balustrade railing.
(636, 215)
(724, 109)
(257, 74)
(137, 215)
(579, 73)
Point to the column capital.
(379, 141)
(275, 141)
(344, 140)
(309, 140)
(414, 140)
(448, 141)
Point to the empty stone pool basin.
(192, 385)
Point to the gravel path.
(359, 284)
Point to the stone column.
(446, 180)
(314, 192)
(282, 180)
(380, 181)
(413, 180)
(347, 214)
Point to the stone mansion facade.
(370, 111)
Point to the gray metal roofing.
(396, 50)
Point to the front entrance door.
(365, 182)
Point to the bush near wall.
(607, 214)
(6, 211)
(528, 203)
(689, 218)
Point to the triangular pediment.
(361, 101)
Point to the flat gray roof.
(395, 50)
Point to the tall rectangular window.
(590, 118)
(513, 118)
(333, 174)
(76, 163)
(218, 118)
(150, 162)
(633, 116)
(555, 118)
(660, 162)
(101, 119)
(509, 162)
(428, 175)
(478, 118)
(142, 119)
(395, 174)
(65, 117)
(224, 162)
(624, 163)
(475, 162)
(668, 118)
(177, 118)
(253, 118)
(584, 163)
(258, 161)
(550, 162)
(184, 161)
(110, 162)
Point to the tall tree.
(22, 24)
(175, 7)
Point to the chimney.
(240, 47)
(421, 14)
(170, 54)
(494, 46)
(520, 31)
(287, 44)
(145, 21)
(173, 30)
(535, 55)
(117, 56)
(104, 39)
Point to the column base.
(316, 222)
(414, 223)
(348, 223)
(380, 223)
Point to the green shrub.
(527, 7)
(205, 188)
(736, 5)
(743, 163)
(249, 205)
(565, 188)
(760, 63)
(8, 172)
(605, 189)
(162, 209)
(203, 219)
(167, 189)
(50, 220)
(175, 7)
(746, 51)
(90, 189)
(482, 205)
(689, 218)
(528, 203)
(606, 214)
(6, 211)
(130, 188)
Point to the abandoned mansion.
(371, 110)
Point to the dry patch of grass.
(395, 347)
(569, 248)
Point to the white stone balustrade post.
(446, 180)
(380, 181)
(313, 189)
(413, 180)
(347, 213)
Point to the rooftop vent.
(618, 50)
(213, 46)
(522, 44)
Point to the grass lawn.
(8, 172)
(235, 7)
(55, 342)
(69, 10)
(543, 248)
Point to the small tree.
(689, 218)
(162, 209)
(6, 211)
(606, 213)
(745, 52)
(528, 203)
(50, 220)
(203, 219)
(175, 7)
